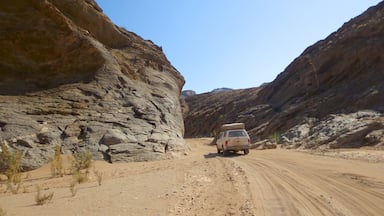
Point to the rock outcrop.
(335, 80)
(70, 77)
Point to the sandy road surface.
(270, 182)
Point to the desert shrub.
(10, 163)
(42, 199)
(82, 160)
(13, 187)
(10, 166)
(275, 137)
(72, 188)
(99, 176)
(80, 177)
(28, 175)
(2, 212)
(56, 162)
(25, 189)
(4, 158)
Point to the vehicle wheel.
(246, 151)
(225, 152)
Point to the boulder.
(264, 144)
(113, 136)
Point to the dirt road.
(270, 182)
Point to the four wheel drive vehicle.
(233, 137)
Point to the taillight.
(249, 141)
(226, 142)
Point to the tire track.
(212, 187)
(292, 187)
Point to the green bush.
(275, 137)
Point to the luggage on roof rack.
(232, 126)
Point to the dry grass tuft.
(82, 160)
(14, 188)
(10, 166)
(3, 212)
(42, 199)
(99, 176)
(56, 162)
(72, 188)
(80, 177)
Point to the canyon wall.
(72, 78)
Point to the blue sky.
(232, 43)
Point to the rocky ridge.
(330, 96)
(70, 77)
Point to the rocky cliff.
(213, 109)
(70, 77)
(329, 96)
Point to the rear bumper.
(237, 147)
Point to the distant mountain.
(329, 96)
(221, 90)
(187, 93)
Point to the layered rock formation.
(70, 77)
(208, 111)
(340, 77)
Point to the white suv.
(233, 137)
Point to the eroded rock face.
(70, 77)
(208, 111)
(362, 128)
(335, 78)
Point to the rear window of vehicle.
(239, 133)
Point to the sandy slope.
(271, 182)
